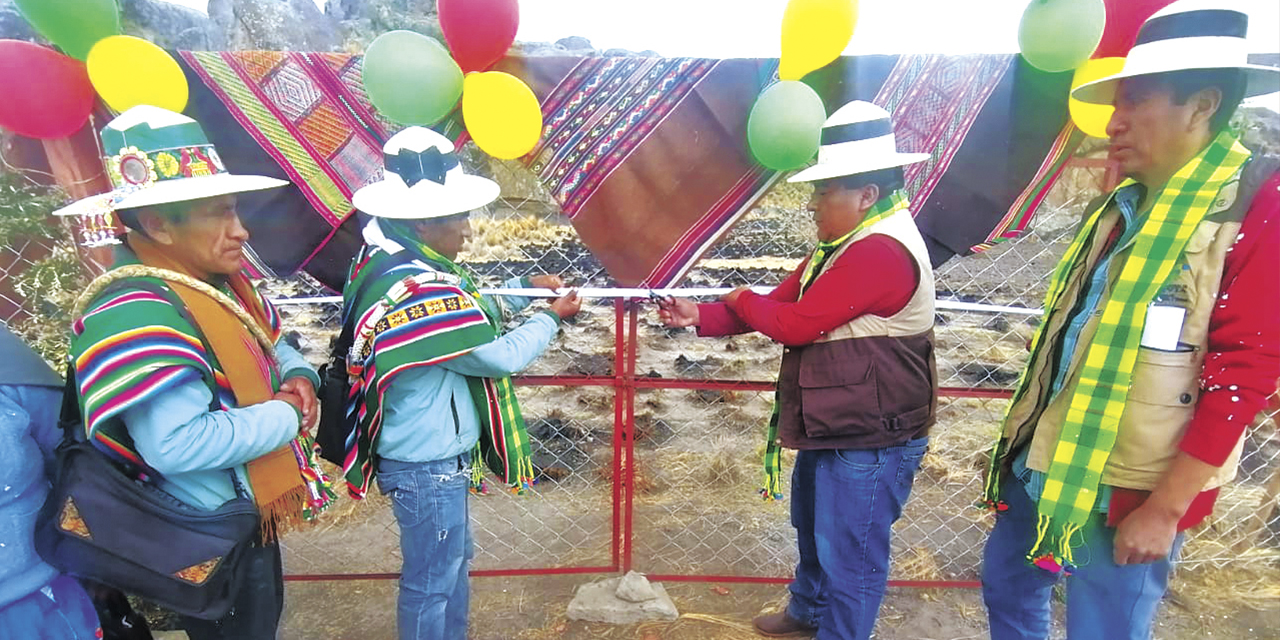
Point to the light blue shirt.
(429, 413)
(197, 451)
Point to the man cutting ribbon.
(856, 392)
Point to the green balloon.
(410, 78)
(1060, 35)
(785, 126)
(73, 25)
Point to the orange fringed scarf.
(276, 478)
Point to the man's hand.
(732, 296)
(678, 312)
(301, 388)
(1145, 535)
(566, 306)
(546, 282)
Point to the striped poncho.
(417, 314)
(133, 344)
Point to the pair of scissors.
(661, 300)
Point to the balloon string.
(97, 139)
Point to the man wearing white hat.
(1159, 344)
(857, 388)
(183, 379)
(432, 396)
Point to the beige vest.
(1165, 384)
(872, 382)
(917, 316)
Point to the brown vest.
(869, 383)
(1166, 384)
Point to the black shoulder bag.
(102, 523)
(336, 426)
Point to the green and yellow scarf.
(1089, 433)
(885, 207)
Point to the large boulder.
(287, 25)
(577, 44)
(364, 20)
(281, 25)
(13, 26)
(173, 26)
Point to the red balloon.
(46, 94)
(1124, 18)
(479, 32)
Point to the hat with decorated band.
(155, 156)
(1185, 35)
(422, 178)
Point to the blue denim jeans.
(1105, 601)
(60, 610)
(429, 500)
(843, 504)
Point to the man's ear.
(157, 227)
(423, 229)
(870, 196)
(1205, 103)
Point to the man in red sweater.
(1159, 346)
(856, 391)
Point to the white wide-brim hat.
(423, 178)
(157, 156)
(1186, 35)
(857, 138)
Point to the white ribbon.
(632, 292)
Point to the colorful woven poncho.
(137, 340)
(417, 315)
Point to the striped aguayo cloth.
(646, 156)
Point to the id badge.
(1163, 327)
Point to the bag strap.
(69, 418)
(347, 336)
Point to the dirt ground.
(533, 608)
(697, 465)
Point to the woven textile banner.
(646, 156)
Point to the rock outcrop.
(287, 25)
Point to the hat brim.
(822, 171)
(390, 199)
(1259, 80)
(168, 191)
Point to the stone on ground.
(634, 587)
(600, 602)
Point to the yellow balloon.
(129, 71)
(814, 32)
(1093, 118)
(501, 114)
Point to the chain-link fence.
(648, 441)
(16, 259)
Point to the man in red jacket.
(857, 387)
(1159, 345)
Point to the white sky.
(751, 28)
